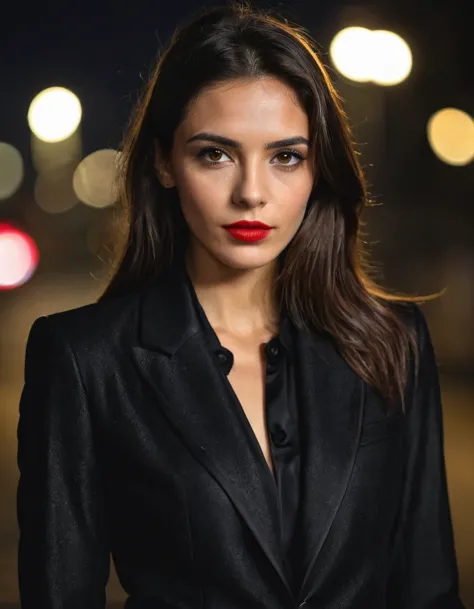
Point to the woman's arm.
(425, 573)
(63, 554)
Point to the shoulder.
(414, 318)
(423, 386)
(86, 330)
(422, 358)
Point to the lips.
(248, 224)
(248, 231)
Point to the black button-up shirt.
(282, 424)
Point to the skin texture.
(227, 184)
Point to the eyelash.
(292, 152)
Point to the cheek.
(294, 206)
(198, 205)
(194, 194)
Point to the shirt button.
(273, 351)
(222, 357)
(279, 436)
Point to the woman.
(244, 419)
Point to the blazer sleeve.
(425, 574)
(63, 554)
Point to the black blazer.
(129, 444)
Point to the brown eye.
(214, 154)
(285, 157)
(289, 158)
(211, 156)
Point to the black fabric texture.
(129, 446)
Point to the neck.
(236, 301)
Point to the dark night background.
(421, 230)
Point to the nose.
(250, 190)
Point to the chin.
(242, 260)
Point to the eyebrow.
(225, 141)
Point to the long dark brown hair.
(324, 279)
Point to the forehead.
(247, 107)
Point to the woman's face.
(229, 163)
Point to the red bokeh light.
(19, 257)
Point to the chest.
(247, 379)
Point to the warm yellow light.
(391, 58)
(54, 192)
(364, 55)
(451, 136)
(54, 114)
(53, 156)
(11, 170)
(351, 51)
(94, 178)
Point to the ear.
(163, 167)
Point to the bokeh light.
(94, 178)
(54, 192)
(54, 114)
(363, 55)
(451, 136)
(11, 170)
(350, 51)
(18, 257)
(391, 58)
(53, 156)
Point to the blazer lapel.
(174, 359)
(331, 412)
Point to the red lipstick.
(249, 231)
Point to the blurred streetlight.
(18, 257)
(94, 178)
(391, 58)
(350, 52)
(54, 114)
(451, 136)
(363, 55)
(54, 193)
(11, 170)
